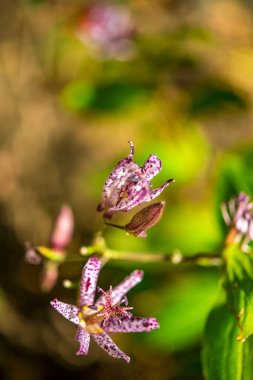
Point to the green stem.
(115, 225)
(203, 259)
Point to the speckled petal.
(84, 339)
(154, 193)
(89, 281)
(107, 344)
(136, 195)
(133, 324)
(68, 311)
(151, 167)
(123, 287)
(117, 178)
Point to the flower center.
(91, 319)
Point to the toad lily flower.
(129, 185)
(60, 238)
(239, 215)
(106, 315)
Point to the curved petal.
(84, 339)
(107, 344)
(151, 167)
(154, 193)
(117, 176)
(68, 311)
(89, 281)
(135, 195)
(134, 324)
(123, 287)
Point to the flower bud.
(63, 229)
(145, 219)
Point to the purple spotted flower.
(108, 314)
(129, 185)
(238, 214)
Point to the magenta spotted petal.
(89, 281)
(68, 311)
(105, 342)
(84, 339)
(129, 185)
(123, 287)
(106, 315)
(133, 324)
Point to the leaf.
(213, 98)
(184, 308)
(77, 95)
(224, 358)
(118, 96)
(239, 287)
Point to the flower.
(105, 315)
(108, 31)
(60, 238)
(128, 185)
(238, 214)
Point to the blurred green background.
(178, 82)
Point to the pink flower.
(108, 30)
(238, 214)
(129, 185)
(60, 238)
(105, 315)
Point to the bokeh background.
(176, 78)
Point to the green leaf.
(224, 358)
(213, 98)
(77, 95)
(239, 287)
(184, 309)
(118, 96)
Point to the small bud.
(32, 257)
(63, 229)
(145, 219)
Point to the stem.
(203, 259)
(174, 258)
(115, 225)
(140, 257)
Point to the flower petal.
(151, 167)
(154, 193)
(89, 281)
(123, 287)
(68, 311)
(84, 339)
(105, 342)
(135, 195)
(134, 324)
(116, 179)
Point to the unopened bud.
(145, 219)
(63, 229)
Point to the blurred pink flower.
(106, 314)
(108, 30)
(60, 238)
(238, 214)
